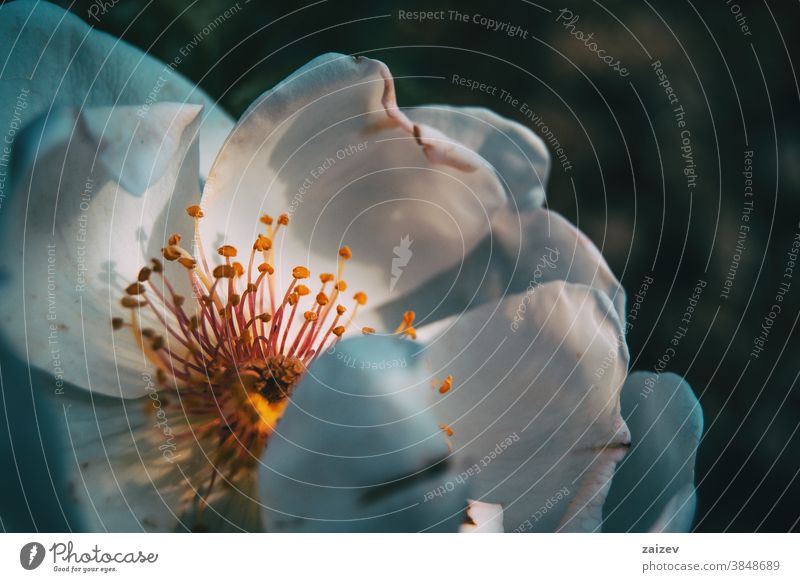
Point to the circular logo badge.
(31, 555)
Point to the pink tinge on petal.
(437, 147)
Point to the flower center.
(235, 352)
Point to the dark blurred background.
(730, 65)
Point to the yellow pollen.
(174, 239)
(135, 289)
(322, 299)
(195, 211)
(266, 219)
(187, 262)
(283, 219)
(302, 290)
(446, 428)
(446, 385)
(238, 268)
(266, 268)
(262, 243)
(265, 317)
(300, 273)
(338, 331)
(410, 332)
(224, 272)
(131, 302)
(310, 315)
(227, 251)
(360, 298)
(341, 286)
(171, 253)
(367, 330)
(326, 277)
(293, 299)
(340, 309)
(345, 253)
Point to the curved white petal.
(523, 251)
(485, 518)
(518, 155)
(50, 58)
(356, 449)
(329, 146)
(653, 488)
(534, 403)
(138, 465)
(75, 236)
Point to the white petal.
(136, 465)
(51, 58)
(524, 251)
(75, 237)
(653, 487)
(517, 154)
(535, 402)
(118, 479)
(356, 449)
(486, 517)
(329, 147)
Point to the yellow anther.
(266, 268)
(302, 290)
(367, 330)
(171, 253)
(227, 251)
(144, 274)
(300, 273)
(195, 211)
(265, 317)
(340, 309)
(446, 385)
(174, 239)
(265, 219)
(310, 315)
(238, 268)
(322, 299)
(135, 289)
(131, 302)
(410, 332)
(293, 299)
(224, 272)
(187, 262)
(117, 323)
(326, 277)
(345, 253)
(283, 219)
(446, 428)
(361, 298)
(338, 331)
(408, 317)
(262, 243)
(341, 286)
